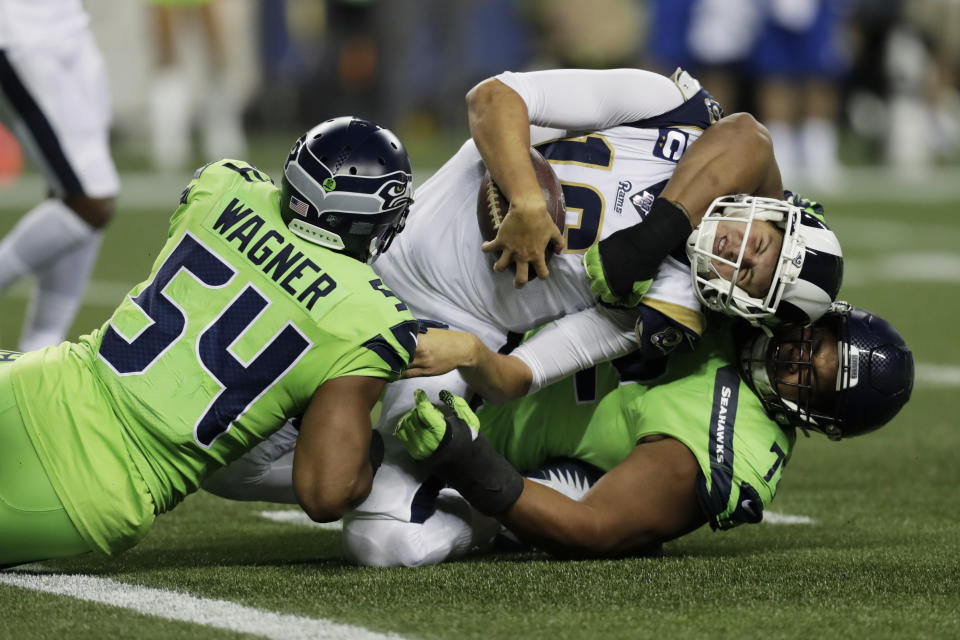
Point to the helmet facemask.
(783, 372)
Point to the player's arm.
(567, 345)
(500, 127)
(647, 499)
(496, 377)
(500, 111)
(332, 465)
(735, 155)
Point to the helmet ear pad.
(877, 372)
(347, 185)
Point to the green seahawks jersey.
(237, 325)
(701, 401)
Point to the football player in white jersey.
(615, 139)
(54, 98)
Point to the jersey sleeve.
(588, 99)
(384, 355)
(577, 341)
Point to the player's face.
(805, 365)
(760, 253)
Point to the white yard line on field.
(290, 516)
(939, 267)
(174, 605)
(937, 375)
(772, 517)
(148, 190)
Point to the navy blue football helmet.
(347, 185)
(848, 391)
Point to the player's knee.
(97, 212)
(385, 543)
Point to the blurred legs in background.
(54, 98)
(173, 99)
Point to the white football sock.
(818, 138)
(786, 150)
(58, 295)
(170, 114)
(41, 237)
(223, 135)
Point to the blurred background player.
(798, 61)
(172, 98)
(253, 313)
(708, 443)
(54, 98)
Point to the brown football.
(492, 205)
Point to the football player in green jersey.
(260, 307)
(706, 444)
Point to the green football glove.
(598, 282)
(812, 207)
(421, 430)
(447, 440)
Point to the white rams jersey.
(609, 177)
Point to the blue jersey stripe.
(695, 112)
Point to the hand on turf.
(440, 351)
(523, 238)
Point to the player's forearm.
(735, 155)
(555, 523)
(332, 470)
(500, 127)
(496, 377)
(327, 488)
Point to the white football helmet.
(807, 274)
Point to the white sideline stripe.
(147, 190)
(100, 293)
(938, 375)
(772, 517)
(173, 605)
(902, 267)
(290, 516)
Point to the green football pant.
(33, 523)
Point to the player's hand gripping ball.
(492, 206)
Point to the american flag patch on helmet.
(299, 206)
